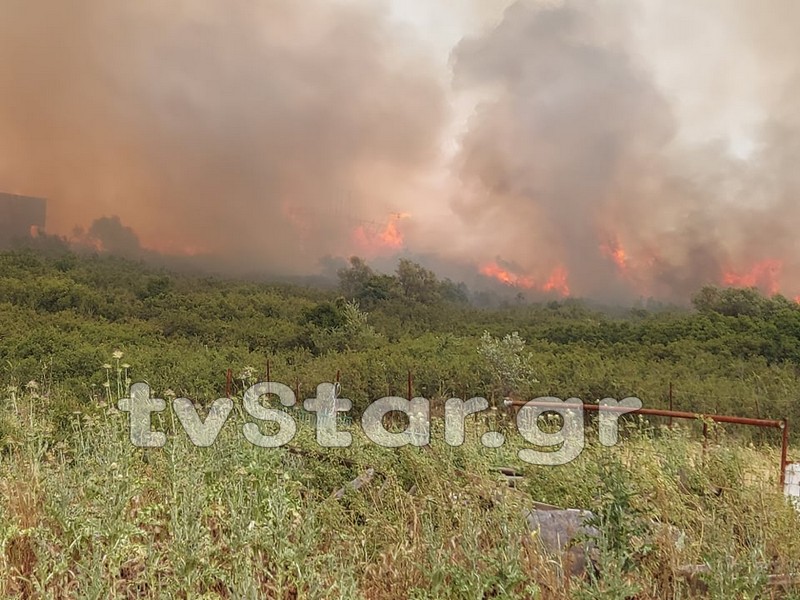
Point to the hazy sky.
(715, 93)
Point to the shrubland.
(85, 514)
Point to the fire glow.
(617, 254)
(764, 275)
(387, 240)
(556, 282)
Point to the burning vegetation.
(548, 153)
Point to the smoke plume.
(617, 150)
(580, 159)
(263, 132)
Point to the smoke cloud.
(262, 132)
(580, 157)
(617, 150)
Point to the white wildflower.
(247, 374)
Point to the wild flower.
(122, 382)
(248, 374)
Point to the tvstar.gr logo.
(552, 445)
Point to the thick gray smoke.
(577, 157)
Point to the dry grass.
(92, 517)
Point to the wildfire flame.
(635, 269)
(495, 271)
(388, 239)
(617, 254)
(556, 281)
(764, 275)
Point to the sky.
(596, 148)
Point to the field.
(84, 513)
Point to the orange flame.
(635, 269)
(388, 239)
(764, 275)
(391, 236)
(556, 282)
(495, 271)
(616, 253)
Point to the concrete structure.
(791, 486)
(21, 217)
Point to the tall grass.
(83, 514)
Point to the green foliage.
(84, 515)
(737, 353)
(509, 363)
(412, 283)
(735, 302)
(360, 283)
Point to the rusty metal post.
(410, 385)
(228, 382)
(268, 373)
(784, 450)
(670, 402)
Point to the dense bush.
(61, 315)
(84, 514)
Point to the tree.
(325, 315)
(361, 283)
(354, 279)
(731, 302)
(509, 363)
(418, 283)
